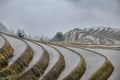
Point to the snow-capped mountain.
(96, 35)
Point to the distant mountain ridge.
(96, 35)
(3, 28)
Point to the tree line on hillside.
(22, 34)
(58, 37)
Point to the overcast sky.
(47, 17)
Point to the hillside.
(3, 28)
(97, 35)
(25, 59)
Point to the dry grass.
(7, 48)
(27, 56)
(43, 63)
(57, 69)
(105, 71)
(35, 72)
(77, 73)
(77, 45)
(16, 68)
(3, 61)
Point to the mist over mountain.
(3, 28)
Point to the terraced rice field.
(94, 61)
(114, 57)
(71, 60)
(19, 47)
(26, 59)
(36, 57)
(54, 57)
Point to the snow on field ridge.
(114, 57)
(54, 57)
(38, 51)
(71, 61)
(19, 47)
(93, 61)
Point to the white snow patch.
(80, 35)
(91, 38)
(71, 61)
(116, 41)
(19, 47)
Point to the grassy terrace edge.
(7, 48)
(77, 45)
(56, 69)
(78, 72)
(3, 61)
(105, 71)
(5, 52)
(39, 68)
(16, 68)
